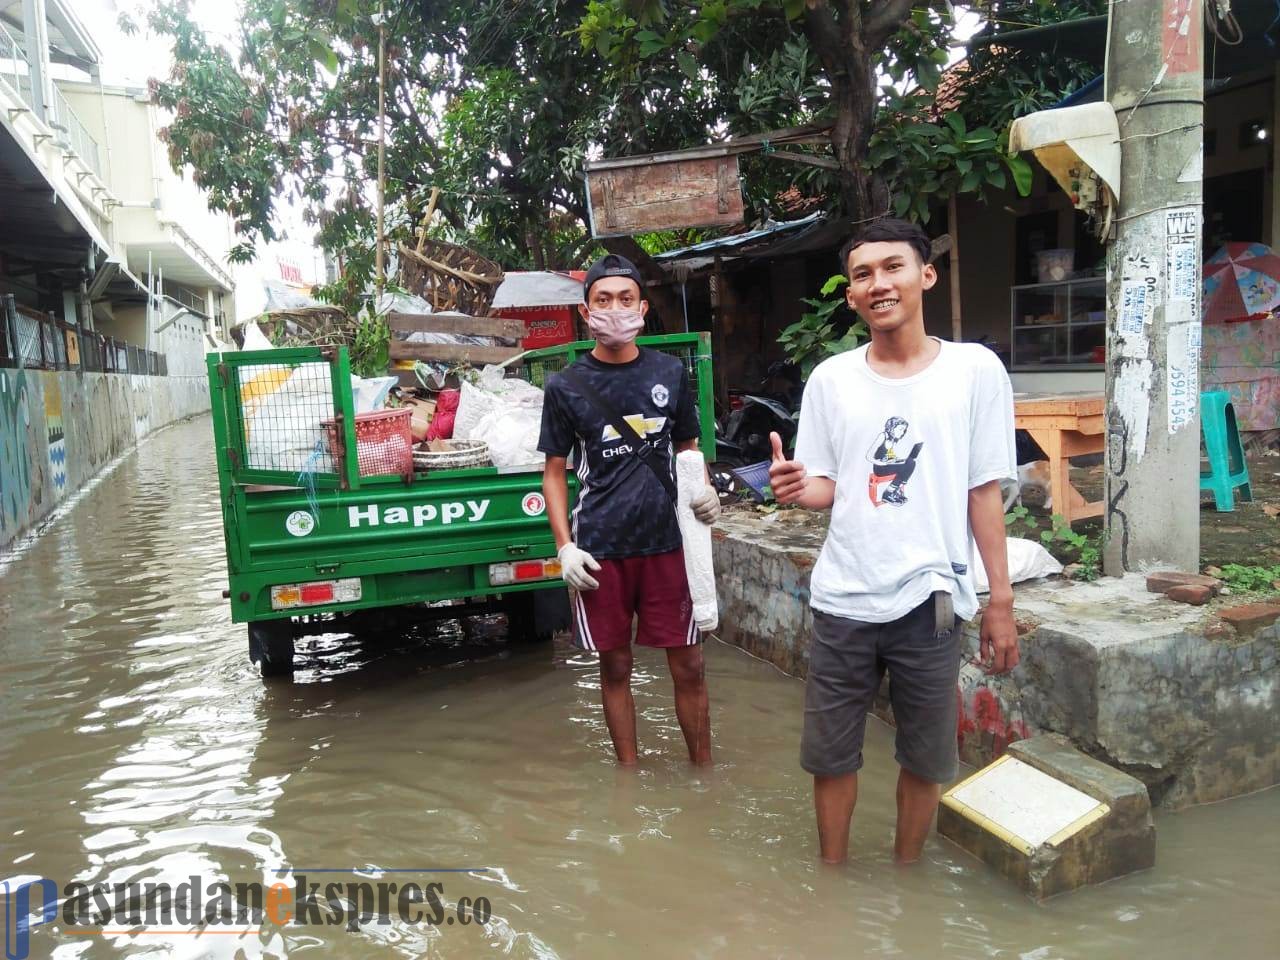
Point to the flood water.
(140, 746)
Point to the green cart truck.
(306, 534)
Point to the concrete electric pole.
(1155, 82)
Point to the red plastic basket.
(384, 443)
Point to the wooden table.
(1065, 425)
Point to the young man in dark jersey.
(621, 549)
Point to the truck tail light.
(287, 596)
(502, 574)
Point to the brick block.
(1121, 841)
(1162, 581)
(1193, 593)
(1249, 617)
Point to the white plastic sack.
(512, 436)
(260, 380)
(285, 430)
(494, 394)
(370, 395)
(255, 339)
(1027, 560)
(506, 414)
(691, 480)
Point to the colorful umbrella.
(1241, 280)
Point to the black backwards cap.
(611, 266)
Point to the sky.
(129, 61)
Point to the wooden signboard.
(664, 192)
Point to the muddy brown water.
(140, 746)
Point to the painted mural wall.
(58, 430)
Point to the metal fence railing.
(15, 69)
(75, 137)
(43, 342)
(191, 301)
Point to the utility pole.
(1155, 82)
(379, 277)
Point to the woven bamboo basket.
(460, 455)
(450, 277)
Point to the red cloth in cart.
(446, 411)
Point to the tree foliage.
(500, 102)
(871, 68)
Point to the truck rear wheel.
(271, 647)
(534, 616)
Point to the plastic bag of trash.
(504, 412)
(1027, 560)
(492, 392)
(370, 395)
(285, 429)
(512, 436)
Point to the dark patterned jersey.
(623, 510)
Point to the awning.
(752, 242)
(1086, 39)
(45, 224)
(526, 289)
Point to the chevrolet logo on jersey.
(642, 425)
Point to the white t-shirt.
(904, 455)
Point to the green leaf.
(971, 182)
(832, 283)
(995, 177)
(955, 122)
(964, 165)
(922, 130)
(900, 204)
(688, 65)
(1021, 172)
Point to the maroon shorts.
(654, 590)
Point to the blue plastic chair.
(1227, 467)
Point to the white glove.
(706, 506)
(574, 564)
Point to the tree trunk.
(845, 43)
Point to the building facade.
(104, 249)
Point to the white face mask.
(613, 329)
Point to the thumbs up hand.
(786, 477)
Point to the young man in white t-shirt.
(906, 440)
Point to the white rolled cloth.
(691, 480)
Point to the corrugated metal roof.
(737, 240)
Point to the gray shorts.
(847, 660)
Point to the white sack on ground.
(1027, 560)
(691, 480)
